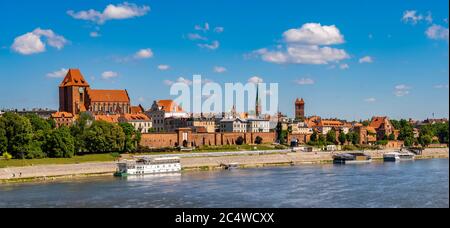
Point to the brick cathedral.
(76, 96)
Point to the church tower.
(299, 109)
(258, 108)
(72, 93)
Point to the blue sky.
(386, 57)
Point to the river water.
(406, 184)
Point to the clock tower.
(72, 93)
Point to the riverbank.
(67, 171)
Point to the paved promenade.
(196, 161)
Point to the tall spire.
(258, 102)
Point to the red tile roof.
(74, 78)
(169, 106)
(62, 115)
(137, 109)
(135, 117)
(377, 122)
(108, 95)
(107, 118)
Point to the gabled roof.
(137, 109)
(74, 78)
(135, 117)
(377, 121)
(96, 95)
(169, 106)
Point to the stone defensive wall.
(185, 137)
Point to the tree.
(382, 142)
(38, 123)
(391, 137)
(239, 141)
(406, 132)
(60, 144)
(258, 140)
(331, 136)
(3, 138)
(314, 137)
(342, 138)
(425, 140)
(19, 134)
(132, 137)
(365, 123)
(353, 137)
(102, 137)
(78, 131)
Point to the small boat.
(398, 156)
(144, 166)
(352, 158)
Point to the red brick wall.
(155, 140)
(159, 140)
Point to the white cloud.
(58, 74)
(255, 80)
(412, 16)
(109, 75)
(196, 36)
(307, 45)
(94, 34)
(219, 29)
(304, 54)
(401, 90)
(144, 54)
(141, 99)
(32, 42)
(441, 86)
(370, 100)
(437, 32)
(366, 59)
(213, 46)
(163, 67)
(220, 69)
(111, 12)
(344, 66)
(314, 34)
(203, 28)
(305, 81)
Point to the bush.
(115, 155)
(7, 156)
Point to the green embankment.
(108, 157)
(56, 161)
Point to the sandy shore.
(52, 172)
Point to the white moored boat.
(143, 166)
(398, 156)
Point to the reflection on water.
(406, 184)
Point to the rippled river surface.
(407, 184)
